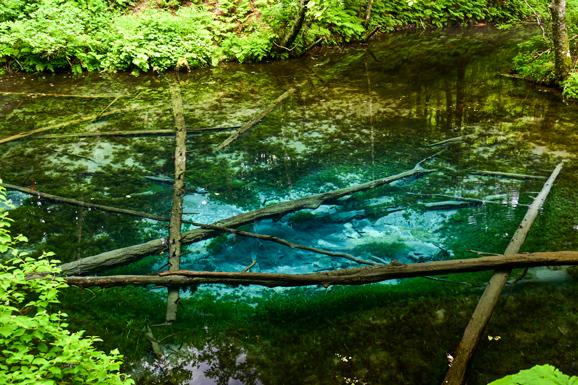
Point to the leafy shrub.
(570, 86)
(535, 62)
(35, 346)
(55, 35)
(158, 39)
(539, 374)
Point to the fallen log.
(457, 372)
(79, 203)
(247, 126)
(352, 276)
(175, 224)
(506, 174)
(131, 133)
(466, 199)
(63, 124)
(134, 253)
(100, 96)
(457, 139)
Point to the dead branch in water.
(467, 347)
(353, 276)
(134, 253)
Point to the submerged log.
(79, 203)
(63, 124)
(35, 94)
(506, 174)
(134, 253)
(175, 225)
(247, 126)
(353, 276)
(467, 347)
(131, 133)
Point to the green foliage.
(157, 39)
(570, 86)
(35, 345)
(535, 61)
(95, 35)
(539, 374)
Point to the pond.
(353, 115)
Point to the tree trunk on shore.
(563, 60)
(292, 34)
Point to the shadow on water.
(363, 112)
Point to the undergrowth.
(121, 35)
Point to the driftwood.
(175, 225)
(506, 174)
(131, 133)
(63, 124)
(247, 126)
(353, 276)
(467, 347)
(134, 253)
(35, 94)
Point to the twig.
(253, 263)
(516, 281)
(537, 19)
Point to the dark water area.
(359, 113)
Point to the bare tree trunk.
(178, 191)
(296, 27)
(563, 60)
(353, 276)
(456, 374)
(368, 14)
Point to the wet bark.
(563, 60)
(457, 372)
(354, 276)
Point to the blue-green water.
(362, 113)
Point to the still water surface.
(360, 113)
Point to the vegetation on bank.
(121, 35)
(540, 59)
(36, 346)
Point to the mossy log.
(353, 276)
(464, 353)
(176, 222)
(100, 96)
(68, 123)
(131, 133)
(134, 253)
(506, 174)
(247, 126)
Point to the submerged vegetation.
(153, 35)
